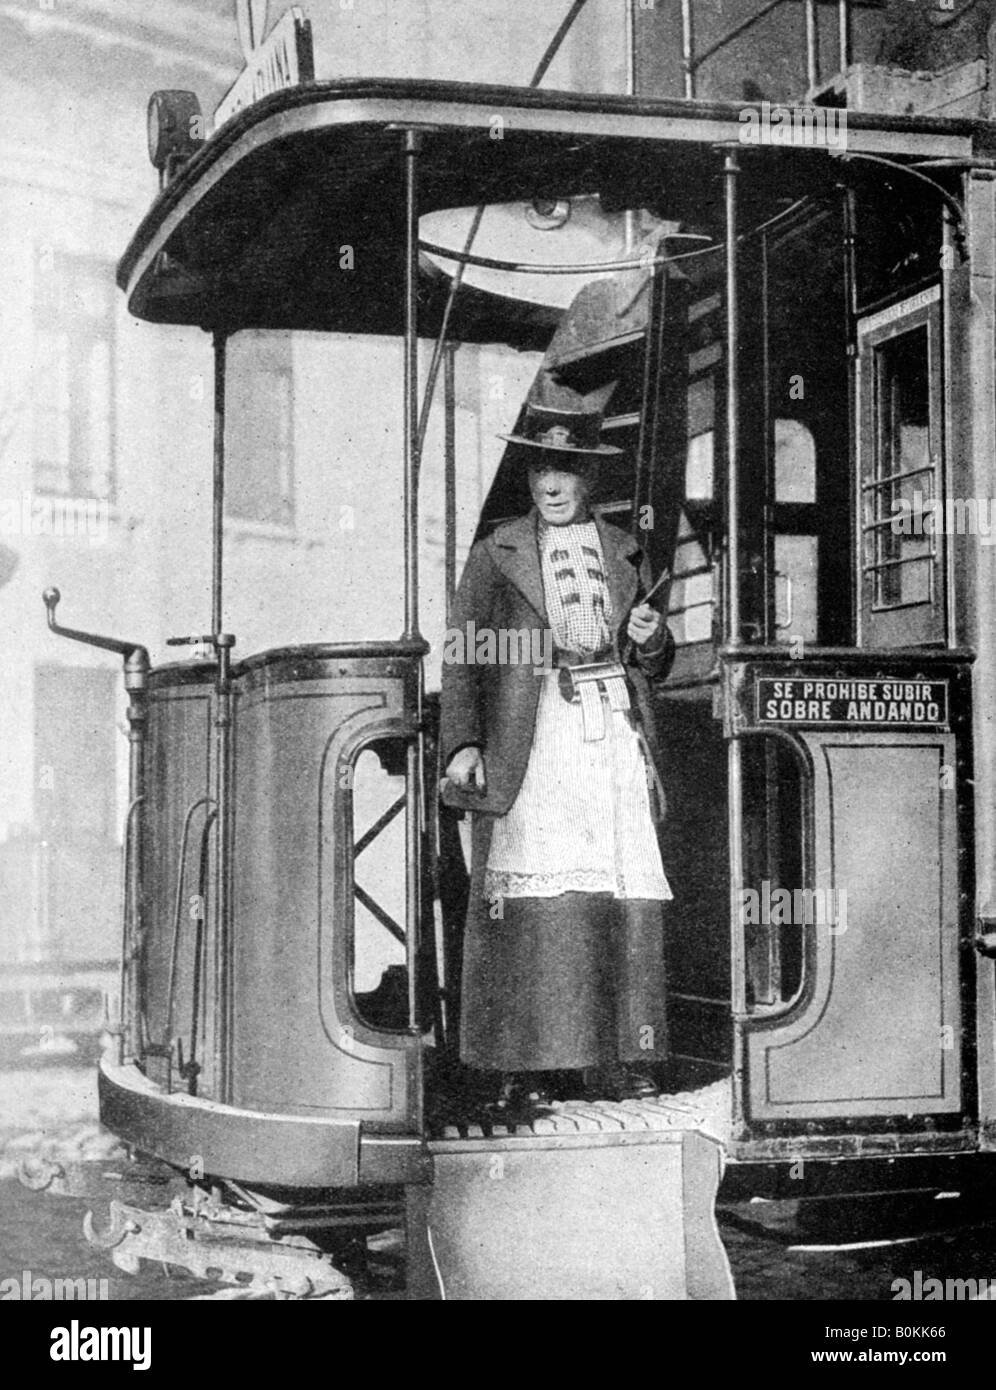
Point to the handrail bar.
(129, 914)
(177, 910)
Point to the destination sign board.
(851, 702)
(250, 20)
(284, 58)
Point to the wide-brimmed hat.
(562, 431)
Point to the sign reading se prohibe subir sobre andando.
(851, 702)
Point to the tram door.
(847, 720)
(795, 596)
(796, 584)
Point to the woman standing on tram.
(563, 957)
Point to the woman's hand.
(644, 621)
(466, 769)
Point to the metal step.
(573, 1117)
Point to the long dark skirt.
(564, 983)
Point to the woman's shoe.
(617, 1083)
(639, 1085)
(522, 1097)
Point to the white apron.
(581, 822)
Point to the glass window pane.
(701, 405)
(904, 481)
(795, 462)
(796, 576)
(699, 468)
(380, 977)
(690, 610)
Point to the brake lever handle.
(51, 598)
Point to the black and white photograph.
(498, 693)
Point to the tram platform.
(706, 1110)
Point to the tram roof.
(254, 225)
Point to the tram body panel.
(299, 1044)
(878, 1031)
(972, 330)
(878, 1036)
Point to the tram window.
(899, 239)
(796, 560)
(904, 469)
(380, 977)
(701, 405)
(773, 856)
(795, 462)
(690, 612)
(902, 591)
(699, 467)
(796, 546)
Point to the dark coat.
(493, 706)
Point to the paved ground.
(777, 1250)
(801, 1252)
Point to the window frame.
(354, 891)
(66, 271)
(913, 622)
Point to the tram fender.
(246, 1145)
(591, 1217)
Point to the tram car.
(793, 343)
